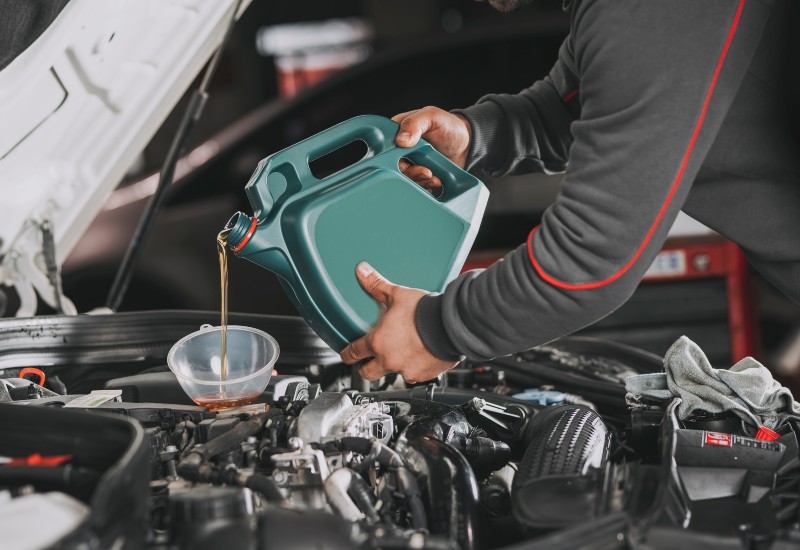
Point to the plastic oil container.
(312, 232)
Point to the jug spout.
(257, 243)
(241, 227)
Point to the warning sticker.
(717, 438)
(95, 399)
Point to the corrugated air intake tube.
(561, 479)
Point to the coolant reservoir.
(313, 232)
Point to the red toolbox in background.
(697, 286)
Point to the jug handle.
(376, 131)
(455, 180)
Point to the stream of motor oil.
(222, 253)
(222, 400)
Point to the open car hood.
(77, 107)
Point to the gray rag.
(746, 389)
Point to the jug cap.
(241, 228)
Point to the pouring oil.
(221, 399)
(222, 254)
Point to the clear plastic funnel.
(196, 360)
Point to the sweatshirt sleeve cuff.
(430, 326)
(486, 120)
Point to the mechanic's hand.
(450, 134)
(394, 343)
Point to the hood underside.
(78, 106)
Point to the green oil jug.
(312, 232)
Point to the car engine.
(537, 450)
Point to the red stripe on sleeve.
(574, 93)
(675, 184)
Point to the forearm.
(508, 308)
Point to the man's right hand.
(450, 134)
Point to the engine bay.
(536, 450)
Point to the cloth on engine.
(746, 389)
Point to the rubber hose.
(408, 483)
(231, 438)
(361, 494)
(383, 454)
(194, 468)
(390, 459)
(264, 485)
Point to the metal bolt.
(280, 477)
(295, 443)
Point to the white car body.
(76, 109)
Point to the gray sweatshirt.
(653, 106)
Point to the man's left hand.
(394, 343)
